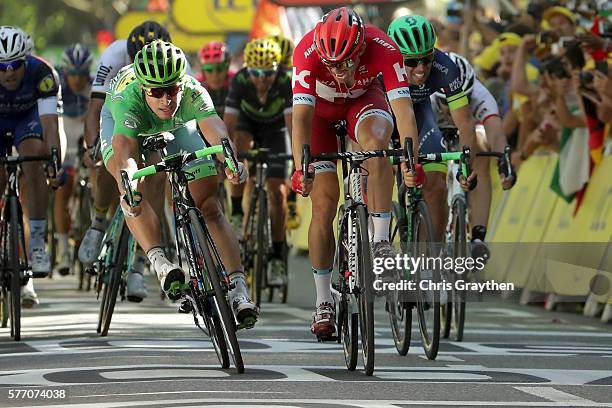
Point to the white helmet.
(466, 73)
(29, 43)
(13, 43)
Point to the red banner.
(303, 3)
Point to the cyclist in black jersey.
(287, 47)
(258, 111)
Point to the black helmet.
(144, 34)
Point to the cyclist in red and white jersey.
(335, 78)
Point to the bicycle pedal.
(247, 323)
(185, 307)
(327, 338)
(135, 299)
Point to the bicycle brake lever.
(228, 152)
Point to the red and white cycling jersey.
(312, 80)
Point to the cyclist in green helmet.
(155, 95)
(429, 70)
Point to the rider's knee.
(435, 186)
(210, 209)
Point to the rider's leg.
(243, 141)
(62, 221)
(276, 209)
(36, 194)
(435, 195)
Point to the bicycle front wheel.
(13, 268)
(399, 311)
(459, 247)
(228, 322)
(114, 279)
(428, 293)
(365, 280)
(261, 252)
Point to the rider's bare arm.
(301, 130)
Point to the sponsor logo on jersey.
(384, 43)
(101, 75)
(46, 84)
(363, 69)
(440, 67)
(309, 51)
(455, 84)
(130, 124)
(301, 78)
(303, 99)
(400, 72)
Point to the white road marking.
(354, 403)
(163, 373)
(311, 374)
(552, 394)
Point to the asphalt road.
(153, 357)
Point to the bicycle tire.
(101, 285)
(51, 233)
(4, 307)
(213, 323)
(83, 219)
(348, 322)
(365, 278)
(459, 250)
(228, 322)
(116, 272)
(430, 341)
(13, 267)
(400, 317)
(260, 260)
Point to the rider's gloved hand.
(300, 184)
(414, 180)
(133, 210)
(240, 176)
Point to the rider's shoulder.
(444, 64)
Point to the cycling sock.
(237, 278)
(322, 278)
(381, 221)
(157, 257)
(237, 205)
(99, 221)
(277, 249)
(479, 232)
(37, 233)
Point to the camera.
(547, 38)
(554, 67)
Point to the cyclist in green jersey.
(155, 95)
(258, 111)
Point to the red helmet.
(213, 52)
(339, 35)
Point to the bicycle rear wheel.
(428, 300)
(365, 279)
(459, 246)
(14, 269)
(399, 311)
(227, 320)
(4, 307)
(114, 279)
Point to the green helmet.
(160, 63)
(414, 35)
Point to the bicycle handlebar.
(264, 155)
(187, 157)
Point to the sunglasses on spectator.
(157, 93)
(414, 62)
(219, 67)
(346, 64)
(13, 65)
(258, 72)
(78, 72)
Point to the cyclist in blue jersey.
(429, 70)
(75, 81)
(29, 89)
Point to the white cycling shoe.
(28, 295)
(91, 246)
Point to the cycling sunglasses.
(413, 62)
(220, 67)
(157, 93)
(346, 64)
(258, 72)
(13, 65)
(78, 72)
